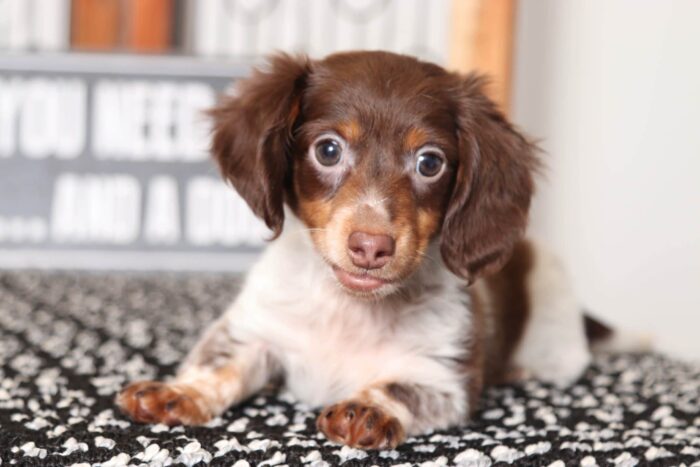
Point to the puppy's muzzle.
(370, 251)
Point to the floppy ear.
(252, 135)
(488, 210)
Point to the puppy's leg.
(553, 346)
(217, 373)
(381, 416)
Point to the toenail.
(170, 405)
(369, 424)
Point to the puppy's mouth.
(364, 282)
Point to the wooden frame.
(481, 40)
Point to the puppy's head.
(378, 154)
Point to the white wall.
(613, 90)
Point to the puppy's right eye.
(328, 152)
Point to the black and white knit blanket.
(68, 342)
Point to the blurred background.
(103, 146)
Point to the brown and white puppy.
(391, 185)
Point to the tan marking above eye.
(350, 130)
(414, 139)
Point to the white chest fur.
(332, 345)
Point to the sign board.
(104, 164)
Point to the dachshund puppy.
(398, 284)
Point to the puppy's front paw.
(156, 402)
(360, 425)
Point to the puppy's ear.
(488, 209)
(253, 131)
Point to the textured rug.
(68, 342)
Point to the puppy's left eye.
(328, 152)
(429, 164)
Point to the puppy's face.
(374, 160)
(378, 154)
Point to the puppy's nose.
(369, 251)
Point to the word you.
(110, 119)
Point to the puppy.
(397, 284)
